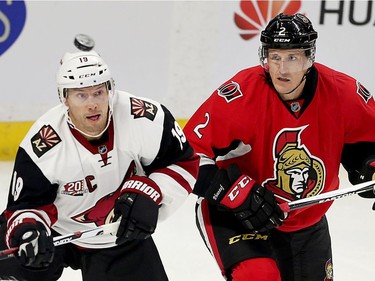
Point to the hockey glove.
(138, 209)
(252, 204)
(35, 243)
(367, 173)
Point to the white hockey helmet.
(82, 69)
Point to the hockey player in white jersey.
(100, 156)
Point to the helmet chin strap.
(110, 113)
(299, 84)
(295, 88)
(71, 124)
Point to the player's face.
(287, 68)
(88, 108)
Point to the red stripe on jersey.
(210, 235)
(50, 210)
(191, 166)
(177, 177)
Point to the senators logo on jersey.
(44, 140)
(230, 91)
(329, 271)
(298, 174)
(363, 92)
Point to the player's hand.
(35, 243)
(138, 209)
(367, 173)
(252, 204)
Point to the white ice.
(352, 225)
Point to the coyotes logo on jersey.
(141, 108)
(44, 140)
(297, 173)
(103, 210)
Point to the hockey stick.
(327, 196)
(64, 239)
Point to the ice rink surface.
(352, 225)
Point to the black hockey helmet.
(288, 32)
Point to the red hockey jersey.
(293, 148)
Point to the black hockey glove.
(138, 209)
(252, 204)
(367, 173)
(35, 243)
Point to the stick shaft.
(327, 196)
(68, 238)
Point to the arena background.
(177, 52)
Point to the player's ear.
(66, 103)
(65, 99)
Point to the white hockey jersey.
(71, 184)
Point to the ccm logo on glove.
(253, 205)
(238, 192)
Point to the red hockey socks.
(256, 269)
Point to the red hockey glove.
(252, 204)
(35, 244)
(138, 208)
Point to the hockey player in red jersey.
(102, 155)
(274, 133)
